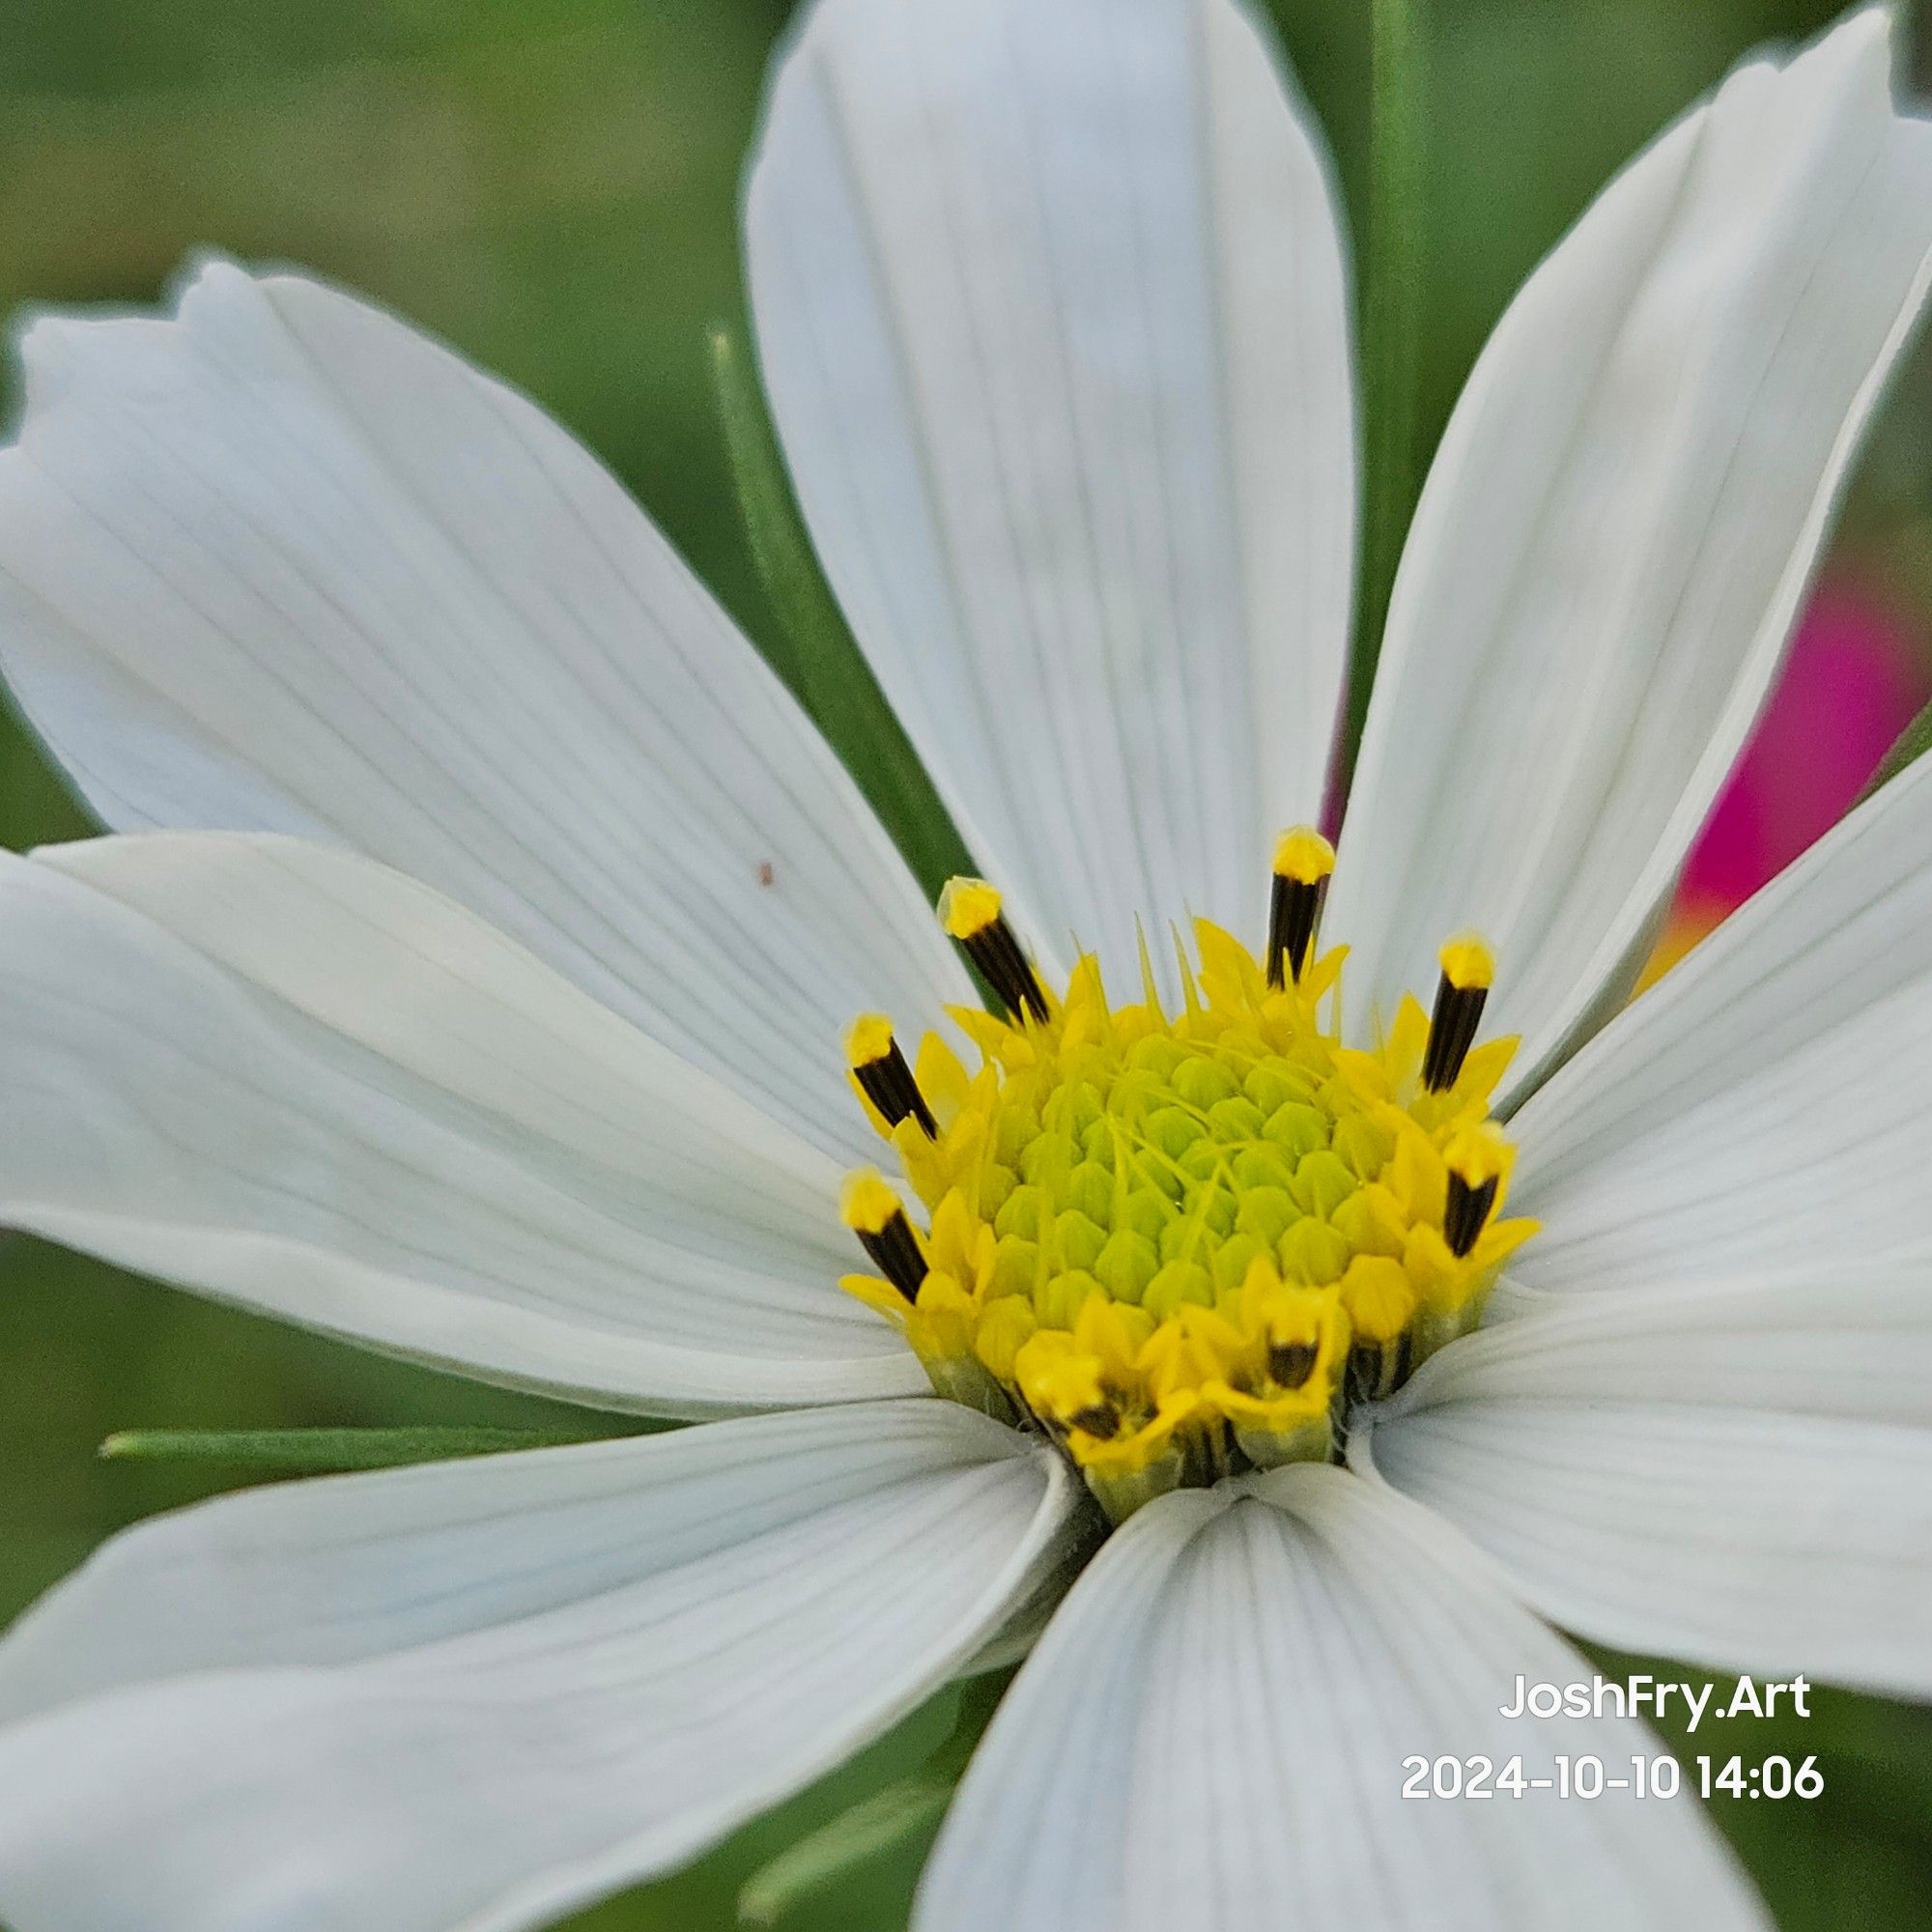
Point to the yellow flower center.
(1184, 1245)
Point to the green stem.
(1391, 329)
(823, 662)
(313, 1452)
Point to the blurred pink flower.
(1852, 682)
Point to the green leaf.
(314, 1452)
(888, 1820)
(1391, 329)
(821, 660)
(1910, 745)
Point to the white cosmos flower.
(474, 986)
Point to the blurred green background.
(550, 186)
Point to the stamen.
(1469, 971)
(969, 910)
(1064, 1387)
(1378, 1368)
(1291, 1363)
(872, 1211)
(1476, 1160)
(1303, 862)
(881, 1070)
(1380, 1303)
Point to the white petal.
(474, 1695)
(1854, 1342)
(1747, 1537)
(278, 563)
(299, 1081)
(1769, 1103)
(1212, 1734)
(1051, 307)
(1616, 534)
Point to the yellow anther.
(967, 907)
(1469, 971)
(968, 911)
(873, 1212)
(1302, 862)
(1477, 1153)
(881, 1074)
(866, 1204)
(868, 1040)
(1303, 855)
(1468, 962)
(1478, 1159)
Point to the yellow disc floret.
(1467, 962)
(968, 907)
(866, 1204)
(868, 1040)
(1182, 1245)
(1302, 855)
